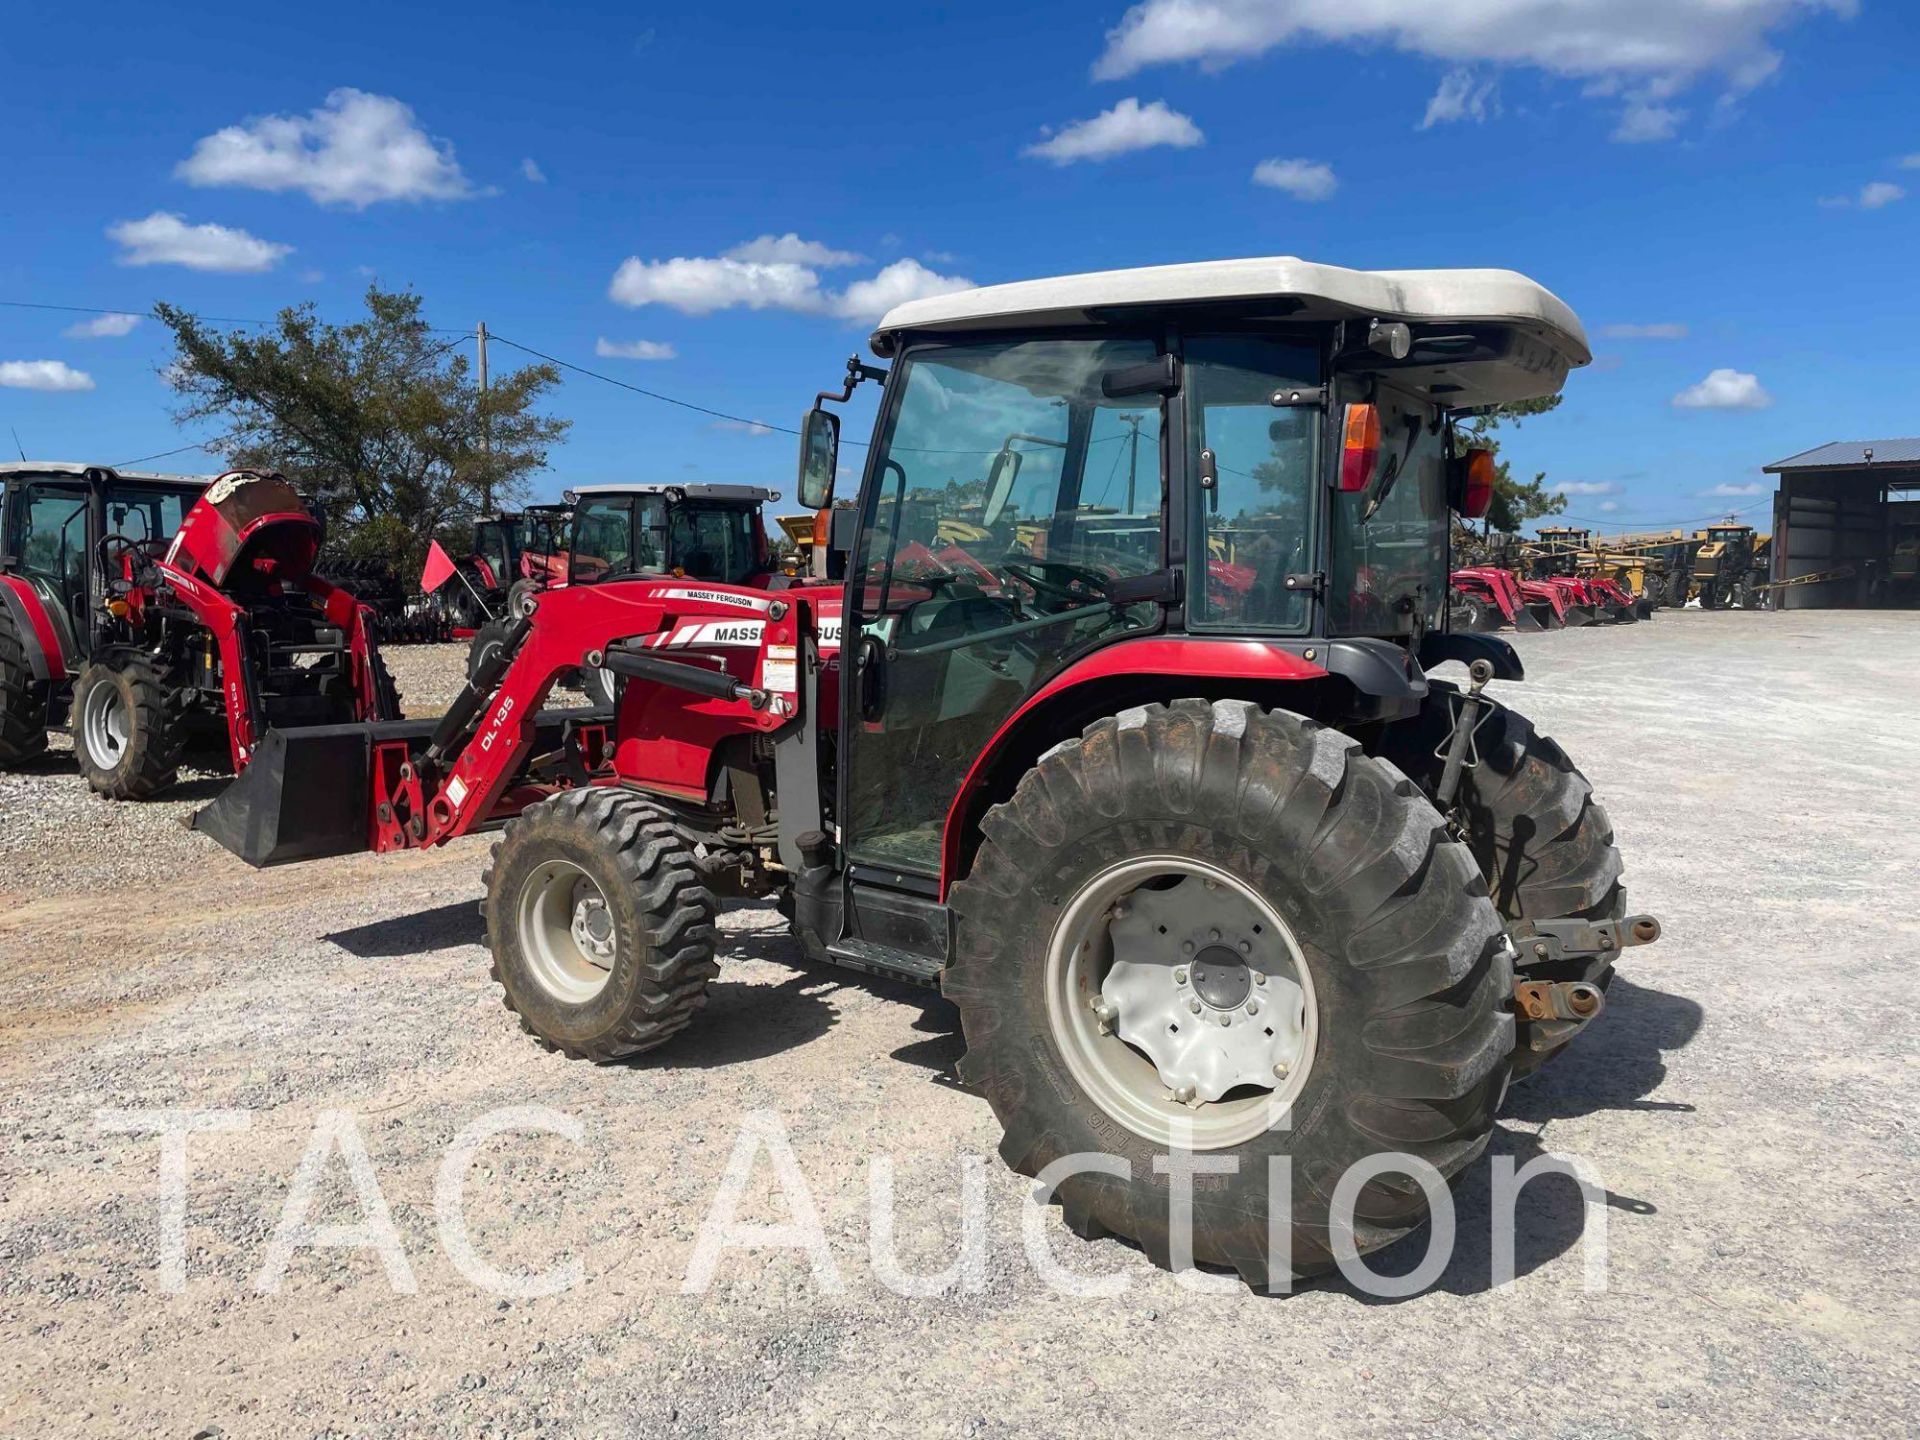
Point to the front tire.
(602, 932)
(1388, 936)
(23, 700)
(127, 729)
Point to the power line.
(216, 319)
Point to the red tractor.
(137, 610)
(1209, 869)
(1490, 598)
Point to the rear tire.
(1389, 918)
(128, 731)
(1544, 844)
(23, 700)
(602, 932)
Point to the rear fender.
(1130, 672)
(45, 655)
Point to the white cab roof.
(1326, 292)
(752, 494)
(71, 467)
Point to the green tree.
(380, 419)
(1515, 502)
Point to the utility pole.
(1133, 456)
(486, 424)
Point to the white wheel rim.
(1118, 984)
(105, 725)
(566, 932)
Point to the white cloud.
(1461, 96)
(1586, 487)
(356, 149)
(102, 327)
(1127, 126)
(530, 170)
(898, 283)
(633, 350)
(1644, 123)
(1910, 162)
(1730, 492)
(166, 239)
(43, 375)
(743, 427)
(790, 249)
(1308, 180)
(1875, 195)
(703, 284)
(1638, 51)
(1660, 330)
(1607, 507)
(1725, 389)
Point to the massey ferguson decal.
(724, 634)
(718, 597)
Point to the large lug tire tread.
(156, 728)
(23, 702)
(663, 916)
(1545, 845)
(1392, 916)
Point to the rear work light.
(1472, 483)
(1361, 450)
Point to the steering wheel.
(116, 547)
(1058, 580)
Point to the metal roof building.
(1848, 510)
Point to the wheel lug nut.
(1259, 978)
(1253, 1007)
(1179, 977)
(1186, 947)
(1194, 1006)
(1246, 947)
(1184, 1095)
(1213, 934)
(1225, 1020)
(1280, 1070)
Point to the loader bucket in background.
(303, 796)
(1625, 614)
(1545, 617)
(1525, 619)
(1579, 615)
(1644, 608)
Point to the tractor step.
(873, 959)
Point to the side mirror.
(1000, 477)
(819, 457)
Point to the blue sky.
(1739, 179)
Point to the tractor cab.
(703, 532)
(66, 531)
(1223, 467)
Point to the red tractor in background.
(1205, 868)
(141, 611)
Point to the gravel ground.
(1747, 1101)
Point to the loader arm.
(325, 790)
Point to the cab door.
(48, 537)
(1008, 491)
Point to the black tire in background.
(23, 700)
(128, 729)
(488, 638)
(661, 918)
(1544, 844)
(1411, 982)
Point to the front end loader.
(1145, 768)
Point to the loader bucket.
(1580, 615)
(1544, 616)
(1524, 618)
(303, 796)
(1624, 614)
(1644, 608)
